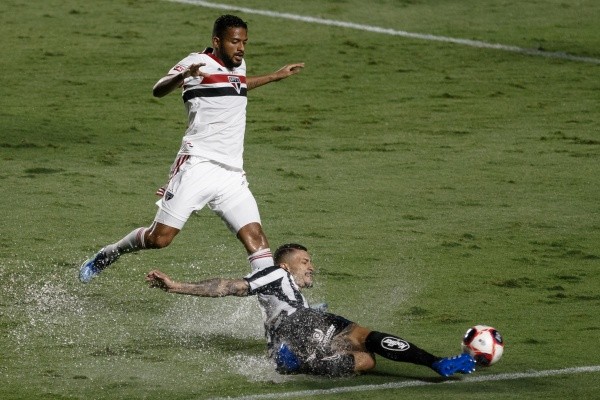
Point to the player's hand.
(288, 70)
(158, 279)
(194, 70)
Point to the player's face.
(300, 265)
(231, 47)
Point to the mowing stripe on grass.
(405, 384)
(376, 29)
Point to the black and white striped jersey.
(277, 293)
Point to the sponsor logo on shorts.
(169, 196)
(323, 338)
(394, 344)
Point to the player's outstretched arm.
(168, 83)
(216, 287)
(282, 73)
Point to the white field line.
(405, 384)
(393, 32)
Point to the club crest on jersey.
(235, 82)
(394, 344)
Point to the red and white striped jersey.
(216, 108)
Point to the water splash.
(43, 308)
(239, 319)
(232, 317)
(256, 369)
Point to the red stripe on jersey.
(219, 78)
(180, 161)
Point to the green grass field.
(437, 185)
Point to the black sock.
(397, 349)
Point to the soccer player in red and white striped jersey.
(208, 169)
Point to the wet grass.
(438, 186)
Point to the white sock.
(132, 242)
(261, 259)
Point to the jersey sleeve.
(192, 58)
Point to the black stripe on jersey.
(213, 92)
(275, 288)
(263, 272)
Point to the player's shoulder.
(268, 272)
(199, 55)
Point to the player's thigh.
(363, 361)
(353, 338)
(236, 204)
(308, 330)
(189, 190)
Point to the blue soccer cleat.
(464, 363)
(286, 360)
(92, 267)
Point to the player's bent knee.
(159, 236)
(363, 361)
(158, 241)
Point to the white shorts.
(200, 182)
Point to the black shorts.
(309, 332)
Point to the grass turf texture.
(438, 186)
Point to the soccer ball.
(484, 344)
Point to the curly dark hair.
(286, 249)
(225, 22)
